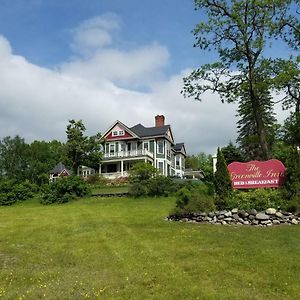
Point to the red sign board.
(257, 174)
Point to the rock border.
(266, 218)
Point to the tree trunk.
(258, 117)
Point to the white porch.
(113, 167)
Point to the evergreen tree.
(248, 136)
(222, 181)
(232, 153)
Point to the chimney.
(159, 120)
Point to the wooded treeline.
(22, 161)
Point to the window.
(122, 147)
(111, 149)
(146, 146)
(177, 162)
(160, 147)
(161, 167)
(118, 133)
(168, 150)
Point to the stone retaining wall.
(266, 218)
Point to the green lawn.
(109, 190)
(123, 249)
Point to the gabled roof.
(59, 168)
(120, 124)
(143, 131)
(139, 131)
(179, 148)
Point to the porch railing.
(132, 153)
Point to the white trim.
(163, 152)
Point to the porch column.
(122, 168)
(100, 169)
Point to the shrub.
(259, 199)
(194, 199)
(65, 189)
(183, 197)
(120, 181)
(291, 188)
(96, 179)
(142, 171)
(160, 186)
(12, 191)
(155, 186)
(294, 205)
(138, 189)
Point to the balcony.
(128, 154)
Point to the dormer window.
(118, 133)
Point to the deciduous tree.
(239, 31)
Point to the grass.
(120, 248)
(109, 190)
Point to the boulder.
(278, 214)
(228, 214)
(242, 213)
(236, 217)
(271, 211)
(234, 210)
(252, 212)
(262, 216)
(295, 222)
(266, 222)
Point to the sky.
(104, 60)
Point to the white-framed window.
(177, 161)
(122, 147)
(133, 146)
(160, 147)
(112, 149)
(118, 132)
(146, 146)
(168, 150)
(161, 167)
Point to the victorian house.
(123, 146)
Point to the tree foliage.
(292, 179)
(239, 31)
(64, 190)
(202, 162)
(82, 150)
(222, 181)
(142, 171)
(14, 158)
(232, 153)
(248, 135)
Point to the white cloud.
(98, 57)
(37, 102)
(94, 33)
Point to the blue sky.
(40, 30)
(103, 60)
